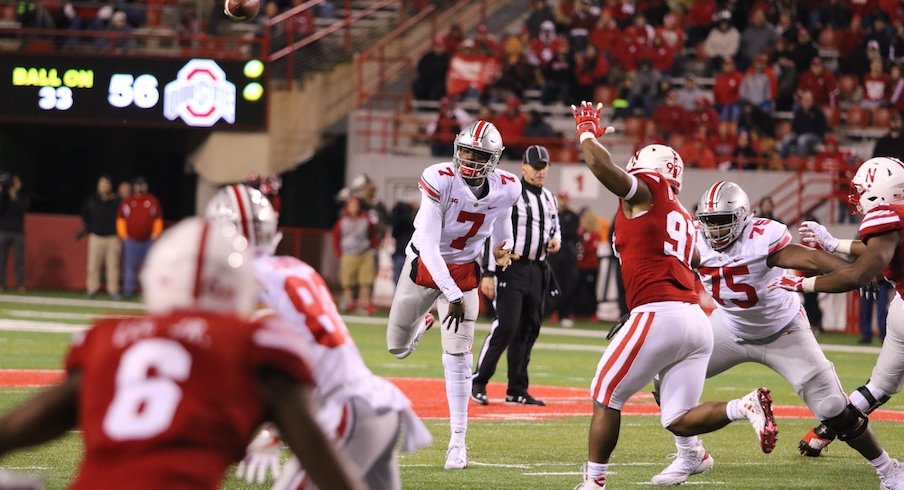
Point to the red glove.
(795, 283)
(587, 119)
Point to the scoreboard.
(133, 91)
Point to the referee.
(521, 289)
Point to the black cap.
(537, 156)
(139, 180)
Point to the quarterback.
(463, 203)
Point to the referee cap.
(537, 156)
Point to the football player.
(739, 256)
(463, 203)
(877, 192)
(667, 334)
(364, 412)
(170, 399)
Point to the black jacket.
(99, 215)
(12, 211)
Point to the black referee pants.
(520, 294)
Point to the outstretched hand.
(790, 283)
(587, 119)
(813, 234)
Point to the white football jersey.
(296, 293)
(466, 221)
(737, 277)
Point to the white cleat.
(428, 322)
(757, 407)
(456, 457)
(598, 484)
(687, 462)
(894, 480)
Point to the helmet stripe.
(478, 131)
(243, 213)
(199, 265)
(713, 193)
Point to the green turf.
(535, 454)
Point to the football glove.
(587, 119)
(261, 456)
(791, 283)
(813, 234)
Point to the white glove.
(813, 234)
(261, 456)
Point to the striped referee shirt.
(535, 221)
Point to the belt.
(528, 261)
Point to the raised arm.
(599, 160)
(803, 258)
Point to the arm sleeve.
(121, 228)
(428, 225)
(487, 264)
(157, 227)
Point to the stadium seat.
(856, 117)
(881, 117)
(605, 94)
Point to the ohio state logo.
(200, 95)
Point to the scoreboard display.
(133, 91)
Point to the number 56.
(126, 90)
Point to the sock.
(733, 410)
(595, 471)
(687, 443)
(457, 369)
(882, 464)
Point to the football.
(239, 10)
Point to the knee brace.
(849, 424)
(873, 402)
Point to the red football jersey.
(171, 401)
(655, 248)
(883, 219)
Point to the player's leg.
(508, 303)
(692, 458)
(371, 445)
(457, 362)
(407, 315)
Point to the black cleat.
(524, 399)
(479, 395)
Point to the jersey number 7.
(476, 220)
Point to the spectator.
(122, 40)
(727, 91)
(850, 44)
(754, 120)
(875, 86)
(744, 156)
(695, 152)
(722, 42)
(703, 117)
(563, 10)
(805, 51)
(841, 166)
(33, 14)
(14, 203)
(661, 55)
(449, 120)
(723, 144)
(590, 70)
(588, 263)
(835, 15)
(699, 20)
(430, 79)
(486, 44)
(545, 47)
(453, 38)
(670, 117)
(643, 91)
(539, 13)
(881, 33)
(558, 77)
(756, 87)
(565, 263)
(402, 222)
(605, 34)
(807, 128)
(786, 84)
(688, 95)
(581, 22)
(138, 223)
(124, 190)
(511, 125)
(765, 209)
(820, 83)
(355, 242)
(517, 75)
(892, 144)
(537, 127)
(626, 54)
(896, 89)
(364, 188)
(671, 32)
(758, 37)
(104, 247)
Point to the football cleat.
(894, 480)
(479, 394)
(525, 399)
(428, 323)
(687, 462)
(456, 457)
(757, 407)
(814, 442)
(598, 484)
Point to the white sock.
(733, 410)
(596, 471)
(882, 464)
(687, 443)
(860, 402)
(457, 369)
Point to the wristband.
(586, 135)
(844, 246)
(809, 284)
(633, 190)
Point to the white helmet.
(662, 158)
(879, 180)
(202, 265)
(723, 212)
(251, 212)
(484, 142)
